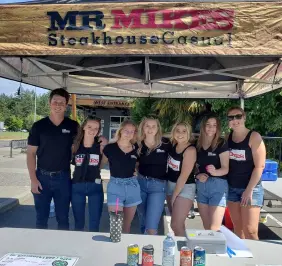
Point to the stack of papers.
(236, 244)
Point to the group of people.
(146, 169)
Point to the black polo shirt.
(154, 163)
(54, 143)
(209, 156)
(122, 165)
(87, 163)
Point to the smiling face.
(128, 132)
(91, 129)
(236, 119)
(58, 104)
(181, 134)
(211, 127)
(150, 128)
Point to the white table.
(274, 188)
(94, 249)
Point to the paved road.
(4, 143)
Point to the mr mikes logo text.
(170, 20)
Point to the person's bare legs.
(180, 211)
(216, 214)
(204, 213)
(236, 217)
(250, 220)
(129, 213)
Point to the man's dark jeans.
(57, 186)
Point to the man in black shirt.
(48, 161)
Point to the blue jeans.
(153, 194)
(95, 195)
(58, 187)
(213, 192)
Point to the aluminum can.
(186, 258)
(199, 256)
(133, 255)
(148, 255)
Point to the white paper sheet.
(19, 259)
(236, 244)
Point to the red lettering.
(133, 20)
(218, 19)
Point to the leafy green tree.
(14, 123)
(169, 111)
(264, 112)
(29, 120)
(142, 108)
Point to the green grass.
(13, 135)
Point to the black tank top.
(174, 164)
(87, 163)
(241, 163)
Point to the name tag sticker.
(65, 131)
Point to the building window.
(115, 122)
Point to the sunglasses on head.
(233, 117)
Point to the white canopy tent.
(232, 74)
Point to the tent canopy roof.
(228, 71)
(136, 76)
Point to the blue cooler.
(270, 172)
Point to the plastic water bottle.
(52, 210)
(168, 250)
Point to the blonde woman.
(123, 185)
(181, 184)
(211, 180)
(247, 161)
(153, 154)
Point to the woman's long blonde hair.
(80, 134)
(142, 136)
(217, 138)
(188, 129)
(121, 127)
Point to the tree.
(14, 123)
(28, 122)
(264, 112)
(169, 111)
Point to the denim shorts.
(235, 195)
(213, 192)
(188, 191)
(126, 190)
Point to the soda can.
(186, 256)
(148, 255)
(132, 255)
(199, 256)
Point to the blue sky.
(9, 86)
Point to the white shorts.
(188, 192)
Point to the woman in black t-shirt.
(152, 174)
(181, 185)
(123, 187)
(86, 182)
(211, 180)
(247, 160)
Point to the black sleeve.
(223, 147)
(34, 136)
